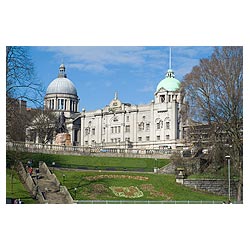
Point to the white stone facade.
(157, 125)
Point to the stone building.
(158, 124)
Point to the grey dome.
(61, 86)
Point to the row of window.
(164, 98)
(61, 104)
(140, 139)
(117, 129)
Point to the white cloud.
(147, 88)
(143, 60)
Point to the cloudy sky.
(99, 71)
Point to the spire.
(116, 96)
(170, 66)
(170, 72)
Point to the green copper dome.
(169, 83)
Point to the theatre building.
(158, 124)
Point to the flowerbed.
(115, 176)
(154, 193)
(127, 192)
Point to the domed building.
(61, 94)
(156, 125)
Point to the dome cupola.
(61, 94)
(61, 85)
(169, 83)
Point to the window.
(70, 105)
(119, 129)
(86, 142)
(167, 137)
(147, 127)
(127, 128)
(103, 131)
(93, 131)
(86, 131)
(158, 138)
(159, 124)
(147, 138)
(162, 98)
(127, 119)
(112, 130)
(141, 126)
(139, 139)
(167, 125)
(62, 104)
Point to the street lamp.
(75, 192)
(228, 169)
(53, 166)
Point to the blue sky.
(98, 71)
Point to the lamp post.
(75, 192)
(53, 166)
(228, 170)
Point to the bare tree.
(43, 126)
(215, 94)
(21, 86)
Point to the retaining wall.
(219, 186)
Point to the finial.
(116, 95)
(62, 73)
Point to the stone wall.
(46, 189)
(219, 186)
(75, 150)
(29, 183)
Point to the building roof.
(61, 85)
(169, 83)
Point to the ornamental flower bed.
(127, 192)
(116, 176)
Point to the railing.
(49, 148)
(147, 202)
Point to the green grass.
(15, 189)
(156, 188)
(93, 162)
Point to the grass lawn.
(93, 162)
(15, 189)
(109, 185)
